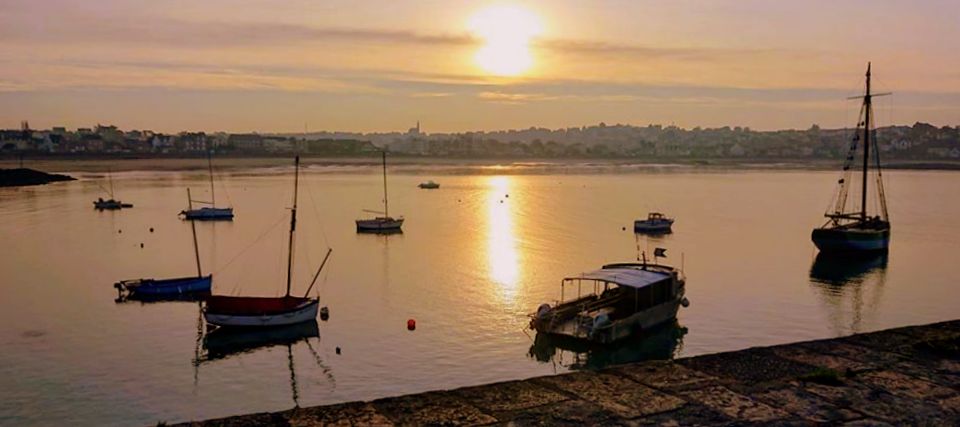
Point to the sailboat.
(111, 203)
(856, 231)
(169, 287)
(385, 223)
(240, 311)
(212, 212)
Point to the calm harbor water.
(475, 256)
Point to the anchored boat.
(856, 230)
(429, 185)
(381, 224)
(160, 288)
(620, 300)
(656, 222)
(110, 204)
(211, 212)
(240, 311)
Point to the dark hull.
(851, 240)
(225, 342)
(209, 214)
(166, 287)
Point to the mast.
(193, 226)
(293, 220)
(866, 146)
(110, 180)
(386, 209)
(213, 197)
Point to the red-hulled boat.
(232, 311)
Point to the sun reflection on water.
(503, 258)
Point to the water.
(475, 256)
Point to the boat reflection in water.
(125, 298)
(851, 287)
(661, 343)
(225, 342)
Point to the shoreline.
(150, 163)
(907, 375)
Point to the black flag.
(660, 252)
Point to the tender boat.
(211, 212)
(656, 222)
(857, 231)
(613, 303)
(381, 224)
(243, 311)
(429, 185)
(160, 288)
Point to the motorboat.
(615, 302)
(656, 222)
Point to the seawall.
(899, 376)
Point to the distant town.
(920, 141)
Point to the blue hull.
(209, 214)
(832, 240)
(160, 287)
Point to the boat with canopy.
(615, 302)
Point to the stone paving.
(900, 376)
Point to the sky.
(381, 65)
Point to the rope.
(235, 257)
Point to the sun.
(506, 31)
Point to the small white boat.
(429, 185)
(656, 222)
(620, 300)
(383, 224)
(207, 213)
(259, 312)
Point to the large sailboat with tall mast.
(384, 223)
(855, 230)
(211, 212)
(240, 311)
(161, 288)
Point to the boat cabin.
(613, 302)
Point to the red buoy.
(411, 324)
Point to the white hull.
(304, 313)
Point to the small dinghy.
(429, 185)
(656, 222)
(159, 288)
(256, 312)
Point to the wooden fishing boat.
(856, 230)
(656, 222)
(385, 223)
(621, 300)
(146, 288)
(257, 312)
(211, 212)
